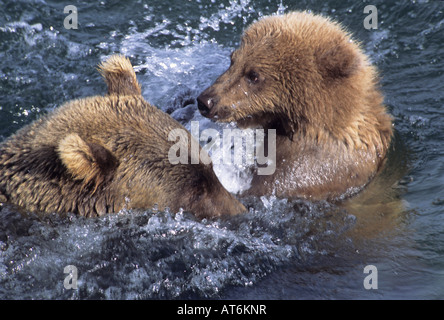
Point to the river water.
(281, 249)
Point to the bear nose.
(204, 104)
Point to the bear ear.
(89, 162)
(119, 76)
(338, 60)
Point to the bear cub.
(304, 76)
(99, 155)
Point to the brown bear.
(101, 154)
(304, 76)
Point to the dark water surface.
(280, 250)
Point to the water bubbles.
(417, 121)
(158, 254)
(281, 9)
(268, 201)
(227, 15)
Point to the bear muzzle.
(209, 107)
(205, 103)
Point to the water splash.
(237, 9)
(158, 255)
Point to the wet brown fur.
(102, 154)
(303, 75)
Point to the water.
(281, 249)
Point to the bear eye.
(252, 77)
